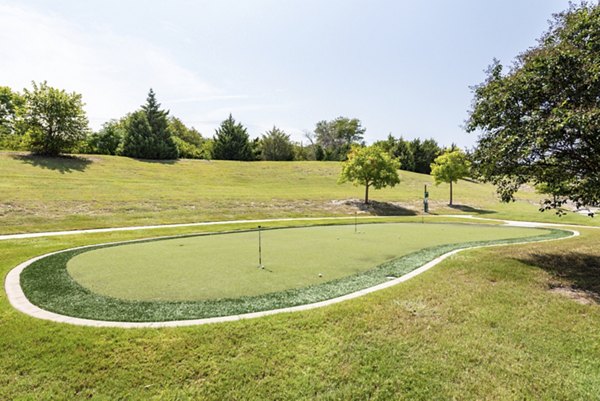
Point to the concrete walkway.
(137, 228)
(6, 237)
(20, 302)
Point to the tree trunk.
(450, 193)
(366, 194)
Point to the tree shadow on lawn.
(156, 161)
(383, 208)
(63, 164)
(471, 180)
(470, 209)
(581, 271)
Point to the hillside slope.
(38, 194)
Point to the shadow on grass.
(581, 270)
(64, 164)
(383, 208)
(156, 161)
(469, 209)
(471, 180)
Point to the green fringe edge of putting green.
(47, 284)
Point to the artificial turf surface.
(225, 265)
(47, 284)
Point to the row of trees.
(50, 121)
(415, 155)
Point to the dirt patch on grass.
(579, 296)
(375, 208)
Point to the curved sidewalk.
(20, 302)
(6, 237)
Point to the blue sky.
(401, 67)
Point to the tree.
(54, 120)
(189, 141)
(424, 153)
(137, 141)
(231, 142)
(107, 140)
(11, 104)
(399, 149)
(147, 134)
(539, 122)
(450, 167)
(180, 130)
(11, 110)
(370, 166)
(301, 152)
(337, 136)
(276, 145)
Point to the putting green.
(225, 265)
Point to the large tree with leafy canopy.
(370, 166)
(539, 122)
(11, 112)
(336, 137)
(11, 105)
(54, 120)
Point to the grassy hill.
(38, 194)
(514, 322)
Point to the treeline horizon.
(50, 121)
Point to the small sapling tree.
(450, 167)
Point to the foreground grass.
(45, 194)
(483, 324)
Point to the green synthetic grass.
(225, 266)
(481, 325)
(47, 194)
(48, 285)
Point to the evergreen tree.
(424, 153)
(399, 149)
(147, 134)
(231, 142)
(276, 145)
(137, 141)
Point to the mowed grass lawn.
(485, 324)
(225, 265)
(46, 194)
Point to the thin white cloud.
(113, 72)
